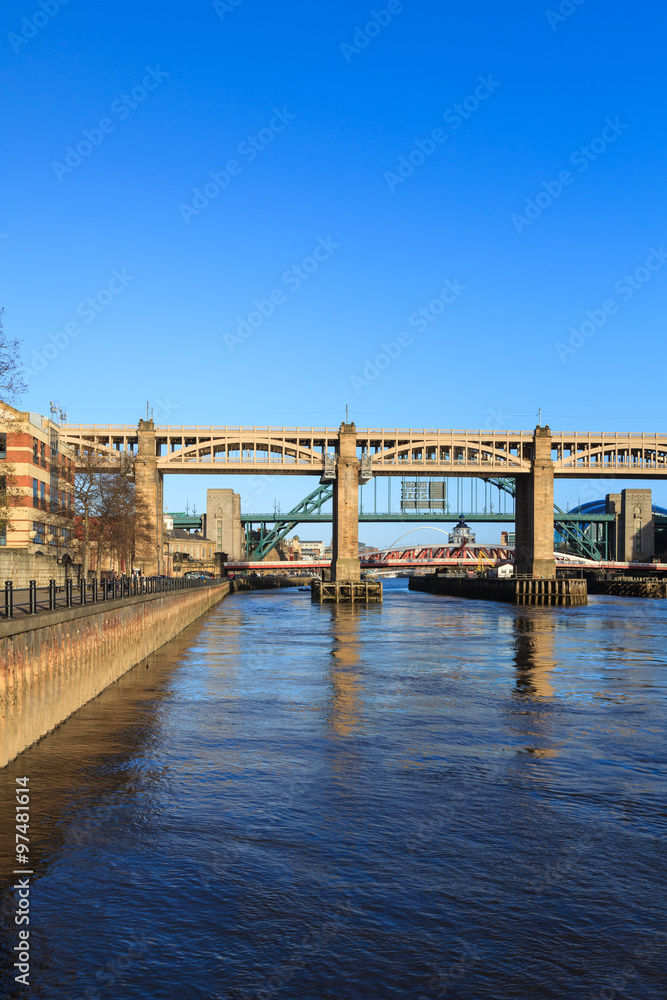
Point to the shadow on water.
(81, 774)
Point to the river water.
(432, 798)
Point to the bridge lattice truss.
(302, 451)
(424, 554)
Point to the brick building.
(37, 473)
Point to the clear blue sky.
(305, 112)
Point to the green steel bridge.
(584, 534)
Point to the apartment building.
(37, 478)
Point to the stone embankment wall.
(628, 586)
(21, 567)
(261, 582)
(51, 664)
(515, 591)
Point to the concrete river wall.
(51, 664)
(516, 591)
(628, 586)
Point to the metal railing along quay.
(33, 600)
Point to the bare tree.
(129, 525)
(62, 512)
(12, 383)
(112, 517)
(88, 501)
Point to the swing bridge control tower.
(346, 456)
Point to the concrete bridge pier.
(345, 527)
(149, 485)
(534, 512)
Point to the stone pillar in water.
(534, 518)
(345, 527)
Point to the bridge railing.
(33, 600)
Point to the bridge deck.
(302, 451)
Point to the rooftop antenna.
(147, 417)
(539, 417)
(347, 418)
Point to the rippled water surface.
(431, 798)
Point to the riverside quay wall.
(21, 567)
(515, 591)
(51, 664)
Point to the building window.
(38, 528)
(35, 451)
(42, 453)
(3, 446)
(35, 493)
(42, 495)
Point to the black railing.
(32, 600)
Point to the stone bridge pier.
(149, 486)
(534, 512)
(345, 527)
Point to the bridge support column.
(149, 488)
(345, 527)
(534, 518)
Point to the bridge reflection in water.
(534, 657)
(346, 702)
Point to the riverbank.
(54, 663)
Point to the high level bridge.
(347, 456)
